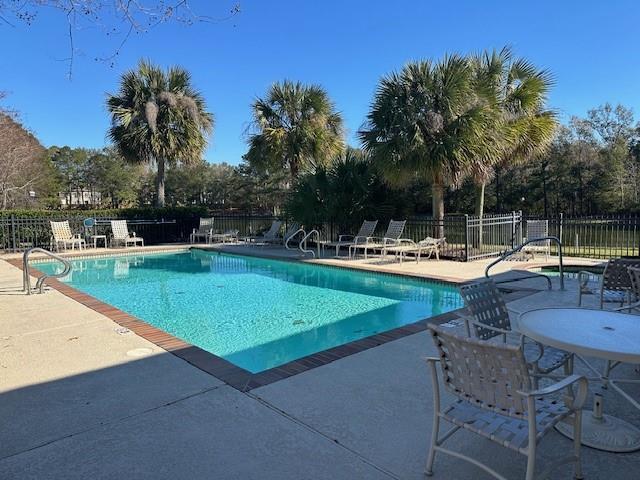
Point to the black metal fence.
(468, 237)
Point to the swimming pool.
(257, 313)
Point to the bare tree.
(118, 19)
(21, 163)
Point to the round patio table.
(602, 334)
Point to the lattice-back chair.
(204, 230)
(615, 285)
(121, 235)
(490, 318)
(367, 229)
(391, 238)
(496, 399)
(395, 230)
(62, 235)
(538, 229)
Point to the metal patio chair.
(204, 230)
(538, 229)
(62, 235)
(497, 400)
(366, 231)
(615, 285)
(121, 235)
(491, 319)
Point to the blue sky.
(591, 47)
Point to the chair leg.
(568, 370)
(531, 462)
(435, 433)
(577, 440)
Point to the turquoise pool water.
(257, 313)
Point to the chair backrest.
(395, 229)
(119, 229)
(293, 228)
(634, 275)
(205, 225)
(274, 230)
(486, 374)
(484, 301)
(61, 230)
(367, 228)
(538, 229)
(616, 274)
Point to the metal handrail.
(520, 247)
(303, 243)
(26, 275)
(286, 243)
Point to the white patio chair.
(491, 319)
(204, 230)
(121, 235)
(366, 231)
(497, 400)
(538, 229)
(226, 236)
(62, 235)
(429, 245)
(290, 232)
(270, 236)
(615, 284)
(391, 238)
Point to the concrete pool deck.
(80, 398)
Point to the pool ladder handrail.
(26, 274)
(303, 243)
(508, 253)
(300, 230)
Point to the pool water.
(257, 313)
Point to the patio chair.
(366, 231)
(538, 229)
(269, 236)
(491, 319)
(615, 285)
(226, 236)
(289, 233)
(204, 230)
(62, 236)
(121, 235)
(496, 399)
(429, 245)
(391, 238)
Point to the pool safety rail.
(26, 274)
(303, 243)
(517, 249)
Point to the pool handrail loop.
(26, 275)
(303, 243)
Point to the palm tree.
(295, 128)
(157, 116)
(519, 92)
(428, 121)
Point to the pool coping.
(229, 373)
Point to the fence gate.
(492, 235)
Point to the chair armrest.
(344, 237)
(431, 359)
(489, 327)
(390, 241)
(575, 403)
(583, 279)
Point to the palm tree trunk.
(437, 192)
(479, 211)
(160, 183)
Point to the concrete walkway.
(80, 398)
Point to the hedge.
(147, 213)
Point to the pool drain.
(122, 330)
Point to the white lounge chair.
(289, 233)
(204, 230)
(62, 236)
(364, 234)
(122, 236)
(404, 246)
(391, 238)
(224, 237)
(538, 229)
(270, 236)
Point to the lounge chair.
(538, 229)
(62, 236)
(204, 230)
(224, 237)
(270, 236)
(391, 238)
(364, 234)
(494, 396)
(615, 286)
(429, 245)
(122, 236)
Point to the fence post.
(513, 229)
(13, 233)
(560, 227)
(466, 237)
